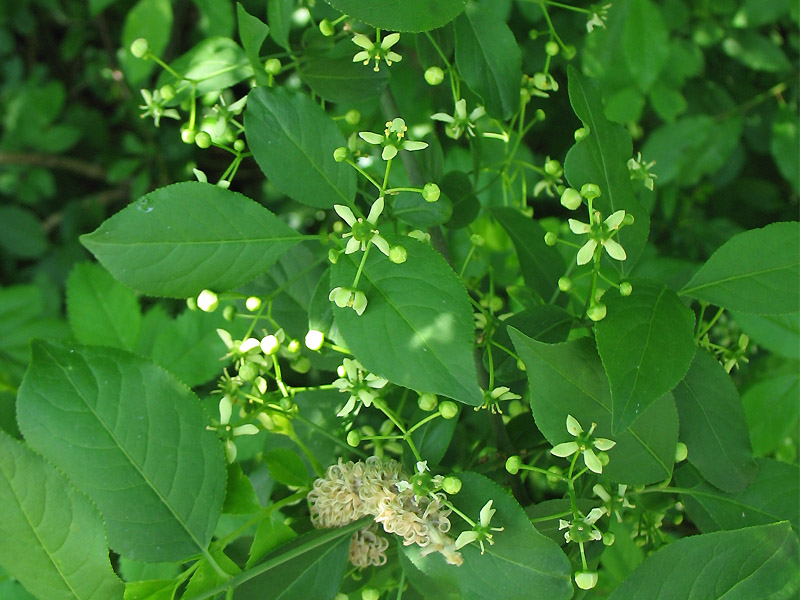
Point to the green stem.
(265, 512)
(427, 419)
(361, 266)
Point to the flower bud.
(570, 51)
(272, 66)
(140, 47)
(553, 167)
(427, 402)
(353, 438)
(239, 145)
(430, 192)
(187, 136)
(609, 538)
(352, 117)
(340, 154)
(167, 92)
(586, 580)
(681, 452)
(202, 139)
(370, 594)
(398, 255)
(253, 303)
(513, 464)
(434, 75)
(248, 371)
(448, 409)
(551, 48)
(625, 288)
(451, 485)
(597, 311)
(326, 28)
(564, 284)
(270, 344)
(590, 191)
(628, 220)
(581, 133)
(571, 199)
(207, 301)
(550, 238)
(476, 239)
(229, 312)
(191, 303)
(540, 115)
(314, 339)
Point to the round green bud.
(341, 596)
(187, 136)
(609, 538)
(239, 145)
(681, 452)
(586, 580)
(540, 115)
(628, 219)
(272, 66)
(207, 301)
(571, 198)
(398, 254)
(597, 311)
(590, 191)
(564, 284)
(352, 117)
(513, 464)
(191, 303)
(434, 75)
(167, 92)
(431, 192)
(448, 409)
(570, 52)
(253, 303)
(555, 474)
(326, 28)
(248, 371)
(427, 402)
(551, 48)
(495, 304)
(370, 594)
(625, 288)
(340, 154)
(451, 485)
(270, 344)
(476, 239)
(533, 34)
(540, 81)
(229, 312)
(314, 339)
(581, 133)
(550, 238)
(293, 346)
(202, 139)
(353, 438)
(140, 47)
(553, 167)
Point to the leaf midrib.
(687, 291)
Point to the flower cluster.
(375, 487)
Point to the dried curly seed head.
(367, 547)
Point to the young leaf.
(646, 344)
(755, 562)
(601, 158)
(101, 310)
(541, 264)
(520, 560)
(183, 238)
(645, 42)
(756, 271)
(489, 59)
(402, 15)
(151, 589)
(286, 467)
(253, 31)
(713, 425)
(51, 536)
(216, 64)
(771, 497)
(568, 379)
(293, 141)
(417, 328)
(150, 19)
(279, 17)
(777, 333)
(131, 437)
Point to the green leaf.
(674, 146)
(149, 19)
(756, 271)
(183, 238)
(489, 59)
(785, 145)
(755, 562)
(270, 534)
(602, 158)
(756, 51)
(645, 42)
(568, 379)
(24, 316)
(252, 32)
(713, 426)
(417, 329)
(51, 536)
(240, 497)
(21, 234)
(293, 141)
(216, 64)
(772, 412)
(131, 437)
(777, 333)
(646, 344)
(457, 187)
(314, 573)
(279, 17)
(286, 467)
(337, 78)
(401, 15)
(152, 589)
(216, 18)
(207, 575)
(541, 264)
(771, 497)
(101, 310)
(412, 209)
(520, 560)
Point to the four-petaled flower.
(481, 531)
(582, 530)
(460, 122)
(360, 387)
(345, 297)
(363, 232)
(600, 232)
(612, 503)
(155, 106)
(640, 169)
(392, 139)
(376, 50)
(599, 17)
(584, 441)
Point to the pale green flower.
(583, 443)
(363, 232)
(481, 531)
(392, 139)
(600, 232)
(376, 50)
(459, 122)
